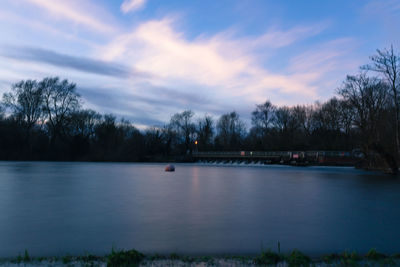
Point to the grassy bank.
(265, 258)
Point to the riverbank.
(266, 258)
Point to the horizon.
(145, 60)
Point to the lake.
(55, 208)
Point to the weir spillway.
(342, 158)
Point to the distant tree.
(369, 97)
(282, 119)
(330, 113)
(262, 117)
(25, 102)
(288, 124)
(60, 101)
(387, 63)
(83, 122)
(185, 128)
(171, 139)
(231, 131)
(154, 141)
(81, 130)
(346, 116)
(131, 142)
(2, 108)
(106, 134)
(205, 132)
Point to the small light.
(195, 142)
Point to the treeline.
(44, 120)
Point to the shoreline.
(265, 258)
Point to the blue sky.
(148, 59)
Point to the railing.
(290, 154)
(303, 158)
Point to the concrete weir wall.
(301, 158)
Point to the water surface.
(55, 208)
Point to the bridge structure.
(340, 158)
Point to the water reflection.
(58, 208)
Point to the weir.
(302, 158)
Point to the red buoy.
(170, 168)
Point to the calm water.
(58, 208)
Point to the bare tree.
(154, 140)
(282, 118)
(182, 123)
(83, 123)
(387, 63)
(2, 111)
(369, 98)
(205, 131)
(25, 101)
(231, 131)
(263, 116)
(60, 100)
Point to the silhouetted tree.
(231, 131)
(387, 63)
(106, 137)
(184, 127)
(205, 132)
(81, 130)
(60, 101)
(262, 117)
(25, 102)
(369, 97)
(154, 142)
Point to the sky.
(145, 60)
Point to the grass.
(124, 258)
(374, 255)
(330, 258)
(66, 259)
(266, 258)
(296, 258)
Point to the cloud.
(132, 5)
(154, 69)
(140, 108)
(327, 64)
(323, 57)
(386, 6)
(224, 66)
(78, 63)
(276, 38)
(79, 12)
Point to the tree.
(81, 128)
(205, 132)
(231, 131)
(25, 101)
(387, 63)
(106, 136)
(83, 122)
(154, 141)
(1, 112)
(282, 119)
(60, 101)
(288, 124)
(330, 113)
(369, 98)
(262, 117)
(185, 128)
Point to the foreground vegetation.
(44, 120)
(265, 258)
